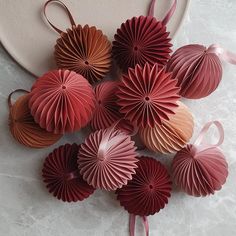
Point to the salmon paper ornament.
(198, 69)
(62, 101)
(172, 135)
(23, 127)
(83, 49)
(106, 110)
(61, 175)
(143, 39)
(107, 159)
(200, 169)
(147, 95)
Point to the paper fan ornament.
(106, 110)
(85, 50)
(61, 175)
(23, 127)
(172, 135)
(201, 169)
(62, 101)
(107, 159)
(148, 192)
(143, 39)
(147, 95)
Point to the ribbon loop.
(132, 221)
(66, 9)
(205, 129)
(15, 91)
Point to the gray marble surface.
(27, 209)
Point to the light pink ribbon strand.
(132, 221)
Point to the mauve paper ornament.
(107, 159)
(62, 101)
(61, 175)
(148, 192)
(200, 169)
(143, 39)
(172, 135)
(23, 127)
(85, 50)
(147, 95)
(106, 110)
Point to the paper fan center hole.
(63, 87)
(86, 63)
(147, 99)
(151, 186)
(135, 48)
(99, 102)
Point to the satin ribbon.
(132, 221)
(65, 8)
(15, 91)
(169, 14)
(200, 139)
(222, 53)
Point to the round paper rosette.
(61, 175)
(140, 40)
(172, 135)
(148, 192)
(24, 129)
(62, 101)
(107, 159)
(197, 69)
(84, 50)
(106, 110)
(147, 95)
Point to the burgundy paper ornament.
(201, 169)
(106, 110)
(172, 135)
(61, 175)
(62, 101)
(147, 95)
(143, 39)
(148, 192)
(85, 50)
(23, 127)
(107, 159)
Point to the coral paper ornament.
(23, 127)
(143, 39)
(172, 135)
(85, 50)
(62, 101)
(61, 175)
(147, 95)
(148, 191)
(107, 159)
(106, 110)
(201, 169)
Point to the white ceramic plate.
(30, 41)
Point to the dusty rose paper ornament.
(23, 127)
(143, 39)
(200, 169)
(172, 135)
(83, 49)
(107, 159)
(62, 101)
(148, 192)
(147, 95)
(106, 110)
(61, 175)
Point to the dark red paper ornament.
(147, 95)
(143, 39)
(148, 191)
(61, 175)
(62, 101)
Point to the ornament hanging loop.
(202, 134)
(15, 91)
(65, 8)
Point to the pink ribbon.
(169, 13)
(202, 134)
(132, 221)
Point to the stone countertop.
(27, 209)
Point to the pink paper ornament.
(200, 169)
(62, 101)
(107, 159)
